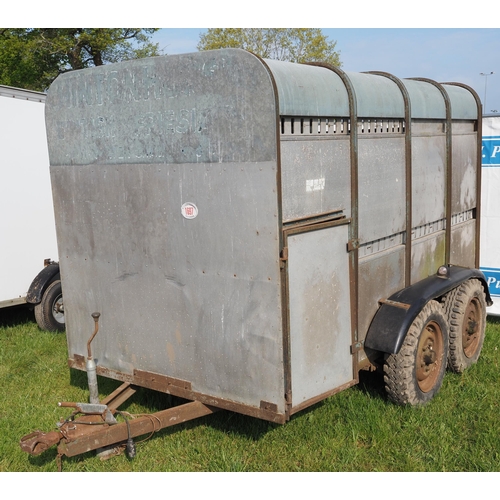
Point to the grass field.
(356, 430)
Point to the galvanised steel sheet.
(382, 185)
(464, 178)
(308, 90)
(380, 275)
(427, 253)
(315, 177)
(428, 172)
(173, 109)
(463, 104)
(427, 102)
(165, 187)
(320, 316)
(463, 237)
(376, 96)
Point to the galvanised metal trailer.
(29, 274)
(250, 234)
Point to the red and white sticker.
(189, 210)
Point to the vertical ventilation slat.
(333, 126)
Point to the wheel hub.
(58, 310)
(429, 356)
(471, 328)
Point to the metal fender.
(40, 283)
(396, 314)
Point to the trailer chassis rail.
(94, 426)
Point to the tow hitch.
(93, 426)
(37, 442)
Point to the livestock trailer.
(249, 234)
(29, 273)
(490, 214)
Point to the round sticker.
(189, 210)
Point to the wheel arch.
(396, 314)
(43, 279)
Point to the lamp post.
(486, 75)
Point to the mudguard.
(396, 314)
(41, 282)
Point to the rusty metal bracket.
(37, 442)
(284, 254)
(265, 405)
(119, 396)
(395, 303)
(356, 347)
(97, 427)
(92, 409)
(283, 257)
(105, 435)
(353, 245)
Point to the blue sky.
(433, 39)
(441, 54)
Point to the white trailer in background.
(28, 246)
(490, 210)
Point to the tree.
(285, 44)
(32, 58)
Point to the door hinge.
(352, 245)
(357, 346)
(283, 257)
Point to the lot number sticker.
(189, 210)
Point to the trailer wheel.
(415, 374)
(49, 313)
(465, 307)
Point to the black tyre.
(465, 307)
(415, 374)
(49, 313)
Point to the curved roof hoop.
(447, 103)
(353, 244)
(479, 129)
(408, 167)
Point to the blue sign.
(491, 151)
(493, 279)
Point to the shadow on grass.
(16, 315)
(372, 383)
(154, 401)
(224, 421)
(494, 320)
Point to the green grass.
(356, 430)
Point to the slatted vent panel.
(314, 126)
(380, 126)
(297, 126)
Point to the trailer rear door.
(320, 313)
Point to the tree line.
(31, 58)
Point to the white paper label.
(315, 185)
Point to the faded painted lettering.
(119, 87)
